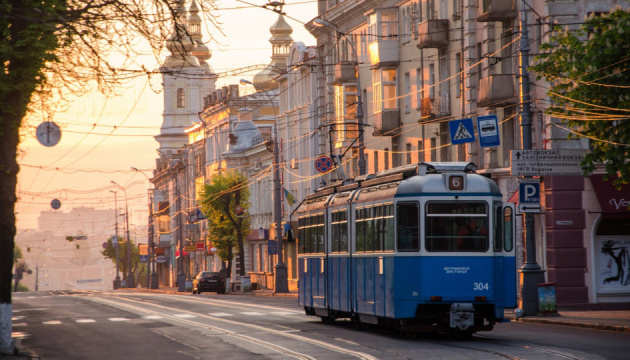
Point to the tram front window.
(461, 226)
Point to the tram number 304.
(480, 286)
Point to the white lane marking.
(15, 318)
(153, 317)
(219, 314)
(20, 324)
(185, 316)
(118, 319)
(252, 313)
(52, 322)
(282, 313)
(85, 321)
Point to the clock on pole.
(48, 133)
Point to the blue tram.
(428, 247)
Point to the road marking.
(153, 317)
(20, 324)
(85, 321)
(252, 313)
(282, 313)
(52, 322)
(15, 318)
(118, 319)
(185, 316)
(219, 314)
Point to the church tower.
(187, 78)
(281, 42)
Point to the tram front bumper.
(462, 316)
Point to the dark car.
(208, 281)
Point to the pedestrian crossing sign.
(462, 131)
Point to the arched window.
(181, 98)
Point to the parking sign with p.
(529, 197)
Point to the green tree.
(20, 267)
(138, 269)
(51, 49)
(225, 202)
(590, 88)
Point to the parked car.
(208, 281)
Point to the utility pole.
(115, 239)
(531, 273)
(181, 276)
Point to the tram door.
(509, 259)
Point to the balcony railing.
(436, 106)
(496, 10)
(497, 90)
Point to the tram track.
(132, 306)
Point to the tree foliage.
(224, 202)
(137, 268)
(590, 88)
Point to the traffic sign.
(462, 131)
(529, 197)
(323, 164)
(559, 162)
(488, 131)
(144, 258)
(192, 217)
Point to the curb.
(617, 328)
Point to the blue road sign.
(144, 258)
(272, 247)
(488, 131)
(323, 164)
(462, 131)
(529, 197)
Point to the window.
(408, 153)
(375, 228)
(375, 161)
(460, 75)
(311, 234)
(340, 232)
(163, 218)
(420, 151)
(384, 89)
(418, 87)
(407, 93)
(456, 226)
(386, 160)
(408, 226)
(181, 98)
(498, 233)
(346, 112)
(383, 24)
(433, 149)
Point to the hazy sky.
(103, 138)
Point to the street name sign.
(559, 162)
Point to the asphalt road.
(133, 325)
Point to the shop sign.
(610, 199)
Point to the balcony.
(433, 107)
(497, 91)
(496, 10)
(432, 34)
(387, 123)
(345, 71)
(384, 52)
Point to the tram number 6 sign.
(456, 182)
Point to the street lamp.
(153, 277)
(323, 23)
(129, 278)
(281, 282)
(117, 280)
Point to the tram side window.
(407, 223)
(340, 232)
(311, 233)
(456, 226)
(360, 234)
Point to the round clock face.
(48, 133)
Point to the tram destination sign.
(562, 162)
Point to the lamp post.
(153, 277)
(117, 280)
(129, 278)
(181, 276)
(281, 283)
(361, 164)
